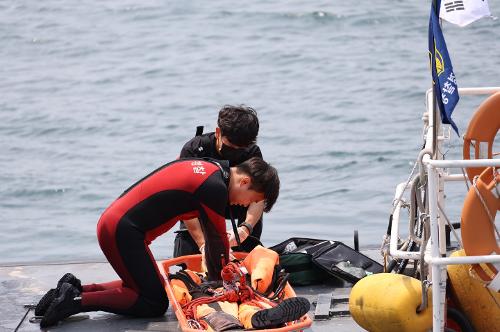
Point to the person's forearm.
(194, 228)
(254, 213)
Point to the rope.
(387, 236)
(235, 290)
(397, 200)
(478, 194)
(465, 179)
(496, 183)
(451, 226)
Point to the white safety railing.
(437, 174)
(435, 259)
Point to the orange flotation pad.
(260, 263)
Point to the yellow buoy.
(478, 303)
(387, 302)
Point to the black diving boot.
(70, 279)
(68, 302)
(287, 311)
(44, 303)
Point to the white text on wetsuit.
(198, 167)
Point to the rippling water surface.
(94, 95)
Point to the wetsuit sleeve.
(213, 195)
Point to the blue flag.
(444, 81)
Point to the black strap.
(277, 286)
(199, 131)
(235, 228)
(223, 166)
(184, 277)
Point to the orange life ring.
(481, 133)
(478, 232)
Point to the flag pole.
(434, 102)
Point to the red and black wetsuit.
(204, 146)
(183, 189)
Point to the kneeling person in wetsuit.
(233, 140)
(183, 189)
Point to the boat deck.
(25, 284)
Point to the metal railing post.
(438, 282)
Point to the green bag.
(313, 261)
(295, 256)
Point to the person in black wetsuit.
(233, 140)
(182, 189)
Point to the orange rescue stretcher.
(193, 263)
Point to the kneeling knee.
(159, 309)
(153, 309)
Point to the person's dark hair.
(239, 124)
(264, 179)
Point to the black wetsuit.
(201, 146)
(181, 189)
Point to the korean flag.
(463, 12)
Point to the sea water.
(96, 94)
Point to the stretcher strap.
(235, 227)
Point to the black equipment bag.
(312, 261)
(295, 257)
(344, 262)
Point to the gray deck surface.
(25, 284)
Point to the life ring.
(481, 133)
(478, 231)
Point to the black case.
(329, 256)
(315, 260)
(298, 263)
